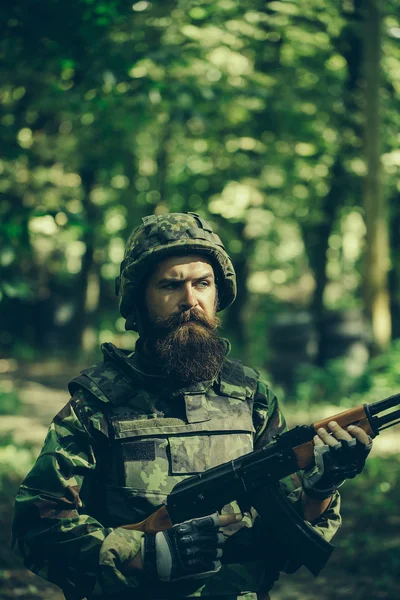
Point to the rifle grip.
(157, 521)
(304, 454)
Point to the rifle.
(253, 480)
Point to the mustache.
(193, 315)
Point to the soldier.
(139, 422)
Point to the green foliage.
(15, 462)
(382, 375)
(10, 401)
(380, 481)
(335, 385)
(314, 385)
(15, 459)
(370, 513)
(247, 112)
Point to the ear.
(131, 321)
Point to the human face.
(180, 283)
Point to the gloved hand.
(189, 549)
(338, 455)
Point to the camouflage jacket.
(112, 455)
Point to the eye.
(203, 284)
(171, 286)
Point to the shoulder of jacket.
(89, 381)
(91, 412)
(105, 382)
(237, 379)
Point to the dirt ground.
(43, 391)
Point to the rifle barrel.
(388, 419)
(377, 407)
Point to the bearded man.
(140, 422)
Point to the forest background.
(278, 122)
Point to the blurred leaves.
(247, 112)
(9, 399)
(335, 384)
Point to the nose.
(189, 299)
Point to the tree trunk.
(316, 240)
(238, 330)
(87, 288)
(394, 275)
(376, 210)
(343, 184)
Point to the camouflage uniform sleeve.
(51, 531)
(267, 416)
(268, 422)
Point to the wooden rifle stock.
(157, 521)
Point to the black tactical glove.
(190, 549)
(334, 464)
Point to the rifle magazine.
(300, 543)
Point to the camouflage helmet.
(170, 234)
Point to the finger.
(202, 552)
(359, 434)
(202, 566)
(210, 541)
(209, 523)
(326, 437)
(208, 553)
(318, 441)
(225, 520)
(338, 432)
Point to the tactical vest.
(157, 437)
(152, 438)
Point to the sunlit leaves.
(233, 109)
(44, 225)
(115, 219)
(25, 138)
(235, 199)
(141, 6)
(287, 8)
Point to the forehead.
(176, 266)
